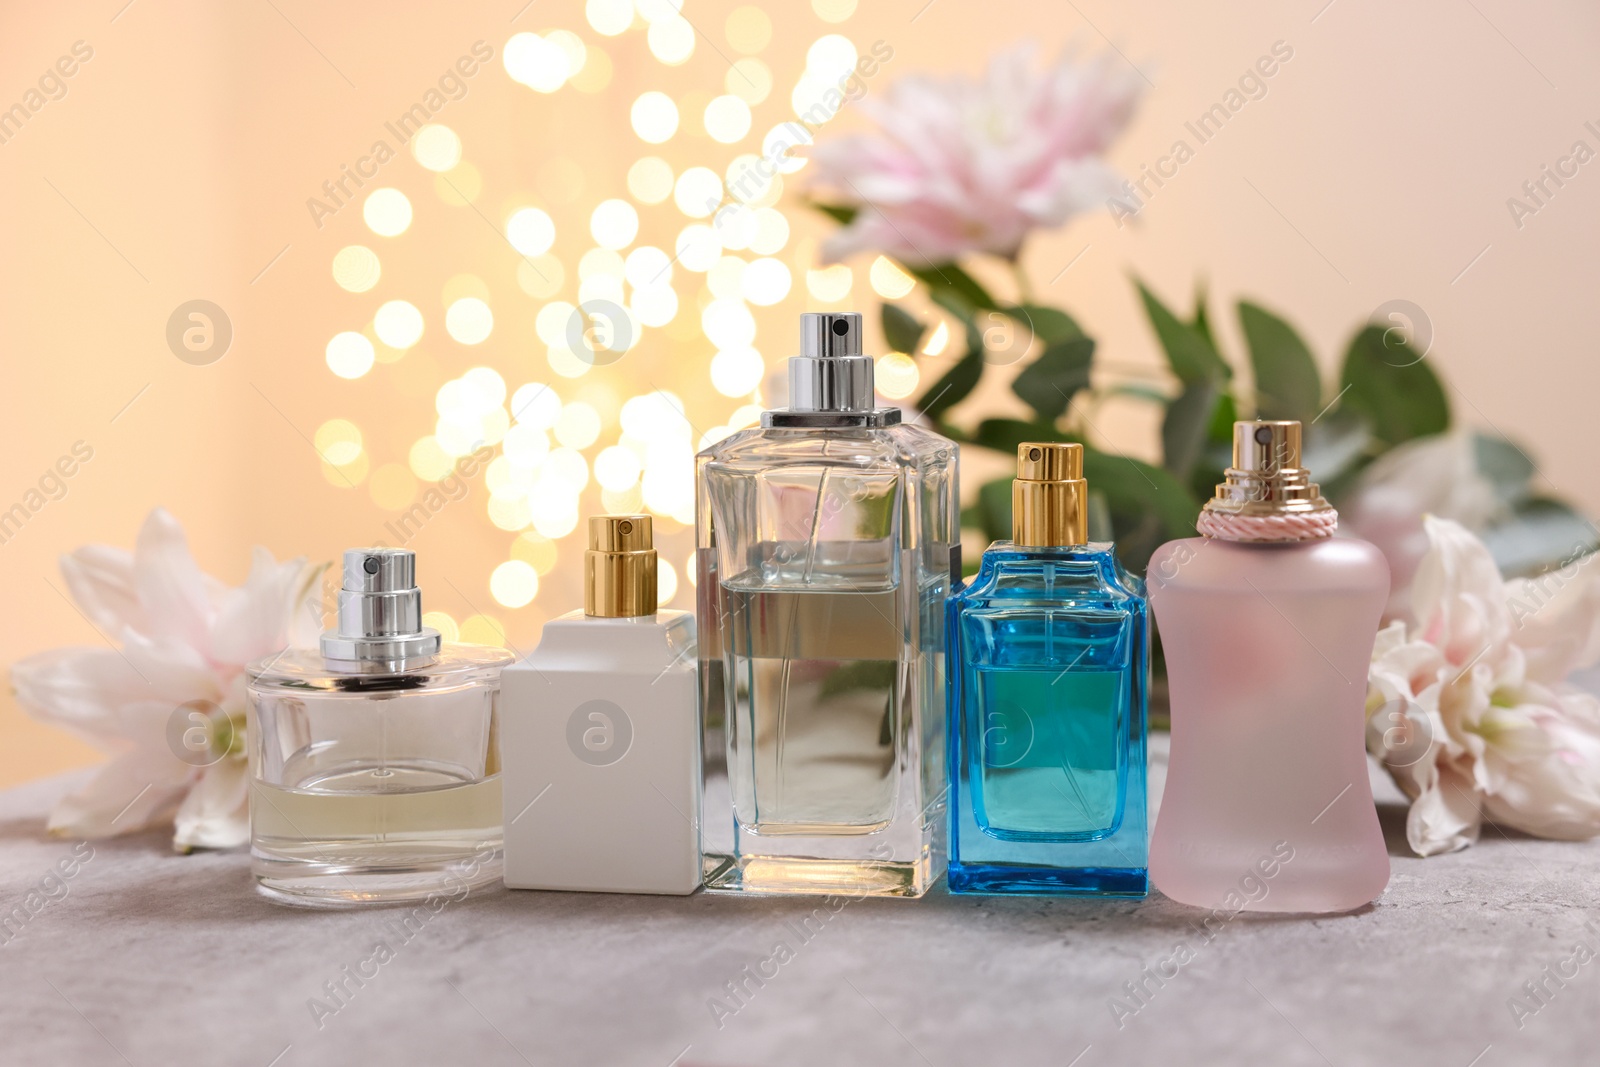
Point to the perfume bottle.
(1048, 661)
(826, 543)
(601, 734)
(373, 771)
(1268, 622)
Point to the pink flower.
(1469, 709)
(169, 704)
(956, 167)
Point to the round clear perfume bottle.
(373, 761)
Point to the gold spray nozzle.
(619, 569)
(1266, 477)
(1049, 498)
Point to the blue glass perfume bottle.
(1047, 691)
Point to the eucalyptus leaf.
(1388, 382)
(1048, 324)
(1190, 355)
(843, 214)
(1506, 466)
(994, 508)
(1145, 505)
(1541, 533)
(953, 387)
(1185, 428)
(1223, 416)
(1048, 383)
(1004, 435)
(1288, 385)
(950, 279)
(1202, 316)
(901, 329)
(1333, 448)
(1135, 389)
(1148, 505)
(1100, 528)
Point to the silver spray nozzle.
(830, 381)
(380, 609)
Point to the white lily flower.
(1469, 709)
(185, 639)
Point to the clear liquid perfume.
(600, 735)
(1268, 622)
(1048, 660)
(827, 539)
(374, 773)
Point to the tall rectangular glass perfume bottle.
(1268, 621)
(601, 734)
(826, 540)
(1048, 656)
(374, 775)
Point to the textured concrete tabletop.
(151, 958)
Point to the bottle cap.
(1266, 477)
(831, 380)
(1049, 498)
(380, 609)
(619, 569)
(1267, 496)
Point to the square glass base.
(1048, 881)
(816, 877)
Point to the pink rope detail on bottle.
(1306, 526)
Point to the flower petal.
(216, 813)
(100, 579)
(175, 595)
(1557, 618)
(136, 790)
(1445, 817)
(253, 620)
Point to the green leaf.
(1287, 383)
(1506, 466)
(1334, 449)
(901, 329)
(1190, 355)
(1048, 324)
(1223, 416)
(1143, 504)
(994, 508)
(1004, 435)
(1137, 390)
(1388, 382)
(1185, 428)
(843, 214)
(1541, 533)
(1047, 384)
(1100, 528)
(1202, 317)
(953, 387)
(1148, 505)
(950, 279)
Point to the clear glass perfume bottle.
(827, 539)
(374, 773)
(1268, 623)
(1048, 660)
(601, 734)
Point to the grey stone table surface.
(145, 957)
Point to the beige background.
(177, 166)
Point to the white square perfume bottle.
(600, 735)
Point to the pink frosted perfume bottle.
(1268, 622)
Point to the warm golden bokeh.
(465, 230)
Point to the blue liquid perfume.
(1047, 691)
